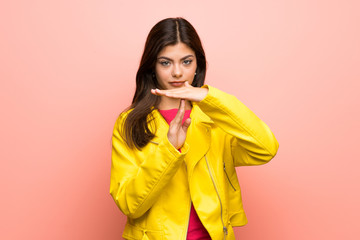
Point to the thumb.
(187, 84)
(186, 124)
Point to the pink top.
(196, 231)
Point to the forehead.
(178, 50)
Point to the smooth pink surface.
(67, 70)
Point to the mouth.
(177, 83)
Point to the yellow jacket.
(154, 187)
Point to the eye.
(188, 61)
(165, 63)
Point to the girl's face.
(175, 64)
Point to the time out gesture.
(177, 130)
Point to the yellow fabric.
(154, 187)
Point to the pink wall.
(67, 69)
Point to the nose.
(177, 71)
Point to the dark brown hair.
(169, 31)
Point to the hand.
(177, 130)
(188, 92)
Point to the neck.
(171, 103)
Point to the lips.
(177, 84)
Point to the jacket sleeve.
(252, 143)
(138, 178)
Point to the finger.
(187, 84)
(182, 93)
(172, 93)
(186, 124)
(165, 92)
(180, 114)
(157, 92)
(188, 93)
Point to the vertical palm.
(177, 129)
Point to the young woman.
(176, 148)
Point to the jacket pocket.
(228, 178)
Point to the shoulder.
(120, 121)
(123, 115)
(152, 119)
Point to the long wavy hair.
(169, 31)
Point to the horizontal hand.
(188, 92)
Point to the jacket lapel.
(159, 126)
(198, 138)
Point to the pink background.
(67, 70)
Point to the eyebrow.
(162, 57)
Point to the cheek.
(193, 68)
(161, 74)
(191, 72)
